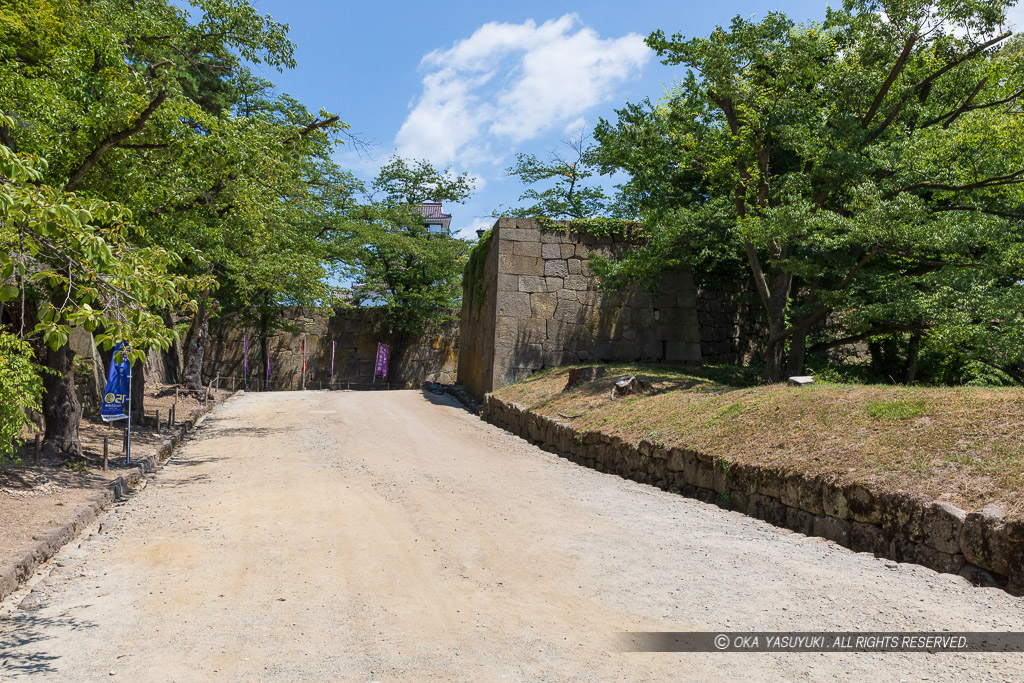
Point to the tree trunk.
(138, 407)
(773, 360)
(912, 355)
(195, 344)
(797, 354)
(61, 408)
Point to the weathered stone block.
(567, 250)
(948, 563)
(682, 351)
(532, 283)
(687, 298)
(869, 538)
(767, 508)
(942, 524)
(576, 282)
(567, 311)
(519, 234)
(551, 251)
(833, 502)
(799, 521)
(532, 331)
(791, 490)
(514, 305)
(833, 529)
(527, 249)
(567, 294)
(903, 516)
(982, 539)
(1015, 563)
(556, 268)
(520, 265)
(676, 460)
(863, 506)
(770, 482)
(543, 305)
(810, 491)
(575, 266)
(508, 283)
(705, 476)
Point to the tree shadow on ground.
(444, 399)
(666, 377)
(21, 635)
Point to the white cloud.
(573, 126)
(469, 232)
(508, 83)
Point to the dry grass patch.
(964, 445)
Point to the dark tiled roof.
(432, 210)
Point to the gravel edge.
(48, 542)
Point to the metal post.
(128, 429)
(106, 451)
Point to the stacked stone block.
(984, 546)
(433, 358)
(543, 308)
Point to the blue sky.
(470, 84)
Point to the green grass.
(895, 410)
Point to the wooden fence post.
(35, 457)
(106, 451)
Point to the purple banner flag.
(381, 368)
(245, 357)
(334, 347)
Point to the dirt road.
(382, 536)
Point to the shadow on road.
(21, 635)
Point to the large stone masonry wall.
(984, 546)
(432, 358)
(539, 306)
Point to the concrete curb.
(48, 542)
(982, 546)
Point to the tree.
(67, 262)
(139, 104)
(138, 108)
(569, 168)
(867, 169)
(410, 274)
(21, 391)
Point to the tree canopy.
(867, 169)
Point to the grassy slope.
(964, 445)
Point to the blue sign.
(116, 395)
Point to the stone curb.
(981, 546)
(48, 542)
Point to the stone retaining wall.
(982, 546)
(539, 306)
(432, 358)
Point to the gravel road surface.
(393, 535)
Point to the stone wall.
(539, 306)
(432, 358)
(982, 546)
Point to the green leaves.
(21, 390)
(865, 168)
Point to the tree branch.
(995, 181)
(928, 80)
(113, 140)
(890, 79)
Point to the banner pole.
(128, 448)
